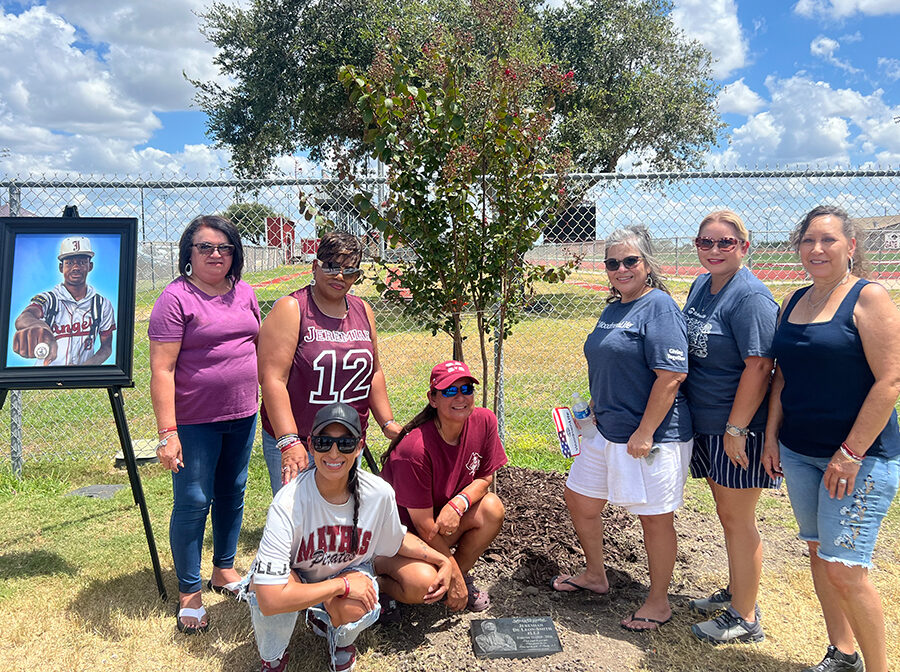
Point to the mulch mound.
(538, 538)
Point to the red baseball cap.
(447, 373)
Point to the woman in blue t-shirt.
(637, 359)
(833, 429)
(730, 321)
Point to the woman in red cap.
(441, 466)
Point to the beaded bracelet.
(455, 508)
(850, 455)
(346, 587)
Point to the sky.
(89, 90)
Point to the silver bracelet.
(734, 430)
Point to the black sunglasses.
(628, 262)
(345, 444)
(349, 272)
(724, 244)
(466, 389)
(206, 249)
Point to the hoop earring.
(188, 269)
(649, 281)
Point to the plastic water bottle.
(584, 417)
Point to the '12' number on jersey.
(356, 370)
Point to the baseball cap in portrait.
(340, 413)
(74, 245)
(447, 373)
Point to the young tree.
(463, 136)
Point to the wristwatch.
(736, 431)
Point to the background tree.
(250, 220)
(462, 132)
(643, 88)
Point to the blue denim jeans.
(845, 528)
(273, 633)
(215, 455)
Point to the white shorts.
(663, 479)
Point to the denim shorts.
(846, 529)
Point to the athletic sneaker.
(343, 659)
(707, 606)
(276, 666)
(837, 661)
(390, 611)
(728, 628)
(719, 600)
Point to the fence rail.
(543, 362)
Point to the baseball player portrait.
(70, 324)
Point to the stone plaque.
(519, 637)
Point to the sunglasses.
(206, 249)
(724, 244)
(345, 444)
(467, 390)
(628, 262)
(349, 272)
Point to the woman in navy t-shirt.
(833, 429)
(730, 321)
(637, 358)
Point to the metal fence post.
(501, 405)
(15, 397)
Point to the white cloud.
(738, 98)
(824, 48)
(809, 122)
(714, 23)
(890, 67)
(841, 9)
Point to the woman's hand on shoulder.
(293, 461)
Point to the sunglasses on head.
(323, 443)
(724, 244)
(206, 249)
(349, 272)
(466, 389)
(628, 262)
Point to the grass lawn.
(78, 593)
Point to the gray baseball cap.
(340, 413)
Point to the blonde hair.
(728, 217)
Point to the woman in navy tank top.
(832, 429)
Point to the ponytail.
(425, 415)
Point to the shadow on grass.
(34, 563)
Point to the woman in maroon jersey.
(318, 346)
(441, 466)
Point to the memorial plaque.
(519, 637)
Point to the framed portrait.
(67, 301)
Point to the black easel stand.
(137, 491)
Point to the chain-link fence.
(543, 363)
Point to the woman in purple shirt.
(203, 331)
